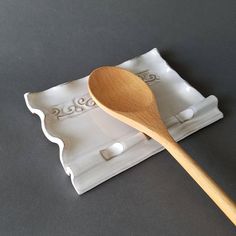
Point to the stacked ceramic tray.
(94, 146)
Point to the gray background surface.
(47, 42)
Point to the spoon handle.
(221, 199)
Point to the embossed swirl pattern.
(78, 106)
(85, 103)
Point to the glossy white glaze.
(83, 131)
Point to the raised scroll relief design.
(85, 103)
(76, 107)
(148, 77)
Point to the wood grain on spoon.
(127, 98)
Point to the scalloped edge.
(50, 137)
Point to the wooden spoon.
(126, 97)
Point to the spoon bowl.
(135, 92)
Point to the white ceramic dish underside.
(94, 146)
